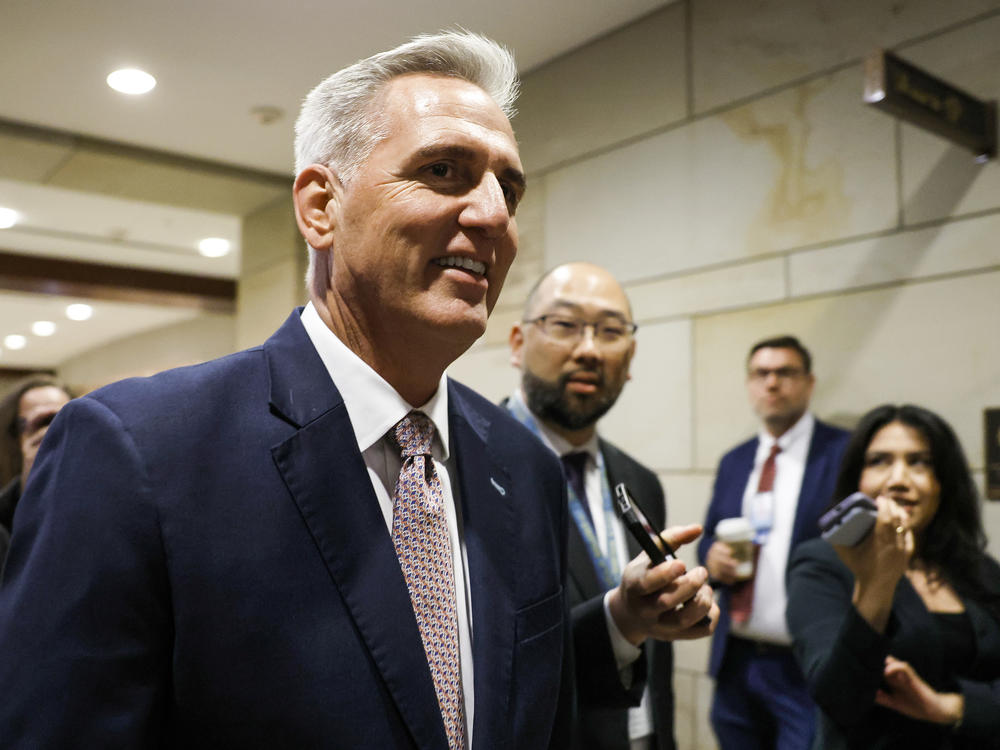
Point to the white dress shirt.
(374, 408)
(767, 619)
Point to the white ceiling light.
(131, 81)
(213, 247)
(8, 217)
(15, 341)
(43, 328)
(79, 311)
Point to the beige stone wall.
(272, 277)
(718, 158)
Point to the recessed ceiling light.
(131, 81)
(213, 247)
(79, 311)
(43, 328)
(8, 217)
(15, 341)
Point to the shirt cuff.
(625, 652)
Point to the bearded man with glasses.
(574, 347)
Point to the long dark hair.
(954, 542)
(10, 446)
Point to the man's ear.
(315, 194)
(516, 341)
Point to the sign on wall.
(914, 95)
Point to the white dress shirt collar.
(373, 405)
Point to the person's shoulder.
(181, 390)
(830, 433)
(740, 451)
(616, 456)
(815, 552)
(493, 423)
(176, 378)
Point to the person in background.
(899, 635)
(26, 413)
(781, 481)
(322, 541)
(573, 347)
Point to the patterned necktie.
(741, 599)
(420, 536)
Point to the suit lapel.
(488, 521)
(581, 566)
(810, 496)
(618, 472)
(328, 481)
(736, 481)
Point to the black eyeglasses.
(569, 330)
(782, 373)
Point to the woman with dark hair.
(25, 414)
(899, 635)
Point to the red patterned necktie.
(741, 599)
(420, 536)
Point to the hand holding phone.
(658, 549)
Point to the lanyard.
(606, 566)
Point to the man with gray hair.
(322, 541)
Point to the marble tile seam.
(742, 101)
(812, 247)
(724, 310)
(789, 298)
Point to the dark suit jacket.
(201, 562)
(843, 658)
(822, 464)
(607, 728)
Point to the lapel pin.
(497, 487)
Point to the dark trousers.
(761, 701)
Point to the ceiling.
(105, 178)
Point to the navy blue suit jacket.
(822, 464)
(603, 726)
(200, 561)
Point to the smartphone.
(640, 528)
(848, 522)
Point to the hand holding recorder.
(873, 539)
(658, 597)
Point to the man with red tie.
(781, 482)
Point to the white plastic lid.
(734, 530)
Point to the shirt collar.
(374, 406)
(801, 430)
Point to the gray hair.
(339, 127)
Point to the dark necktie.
(573, 466)
(420, 536)
(741, 599)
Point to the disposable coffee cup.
(738, 534)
